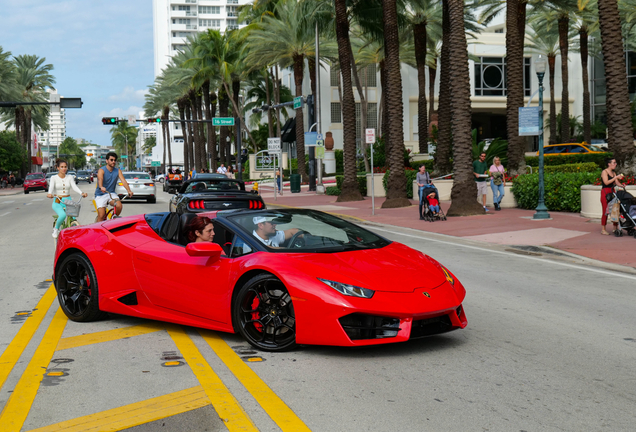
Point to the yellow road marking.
(17, 408)
(108, 335)
(134, 414)
(274, 406)
(226, 406)
(15, 349)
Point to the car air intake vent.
(122, 227)
(362, 326)
(129, 299)
(431, 326)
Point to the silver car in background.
(141, 185)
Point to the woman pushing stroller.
(609, 179)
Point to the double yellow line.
(211, 390)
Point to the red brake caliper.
(88, 285)
(256, 315)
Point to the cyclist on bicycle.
(60, 186)
(107, 177)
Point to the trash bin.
(294, 183)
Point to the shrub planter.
(591, 200)
(377, 184)
(445, 186)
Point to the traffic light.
(109, 121)
(154, 120)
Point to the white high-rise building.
(173, 22)
(50, 140)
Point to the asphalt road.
(550, 346)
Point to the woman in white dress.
(60, 186)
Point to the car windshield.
(136, 176)
(35, 176)
(214, 185)
(51, 174)
(306, 231)
(82, 172)
(595, 149)
(71, 173)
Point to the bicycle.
(110, 209)
(72, 209)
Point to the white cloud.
(121, 112)
(129, 94)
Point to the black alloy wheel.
(264, 315)
(76, 285)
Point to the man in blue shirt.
(107, 177)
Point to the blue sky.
(102, 51)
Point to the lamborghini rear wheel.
(263, 313)
(76, 285)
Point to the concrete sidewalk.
(568, 232)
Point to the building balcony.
(182, 27)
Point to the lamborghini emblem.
(426, 294)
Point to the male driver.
(107, 177)
(480, 168)
(267, 233)
(222, 169)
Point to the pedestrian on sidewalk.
(609, 180)
(230, 172)
(12, 180)
(424, 181)
(278, 181)
(497, 175)
(480, 168)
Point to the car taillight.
(197, 204)
(256, 204)
(149, 184)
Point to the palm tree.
(545, 40)
(124, 138)
(396, 190)
(286, 39)
(618, 109)
(464, 188)
(8, 84)
(33, 78)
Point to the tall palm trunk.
(299, 64)
(213, 149)
(363, 107)
(166, 117)
(587, 132)
(201, 153)
(27, 130)
(396, 189)
(190, 132)
(442, 152)
(268, 101)
(464, 188)
(205, 88)
(564, 26)
(384, 122)
(553, 113)
(224, 133)
(432, 73)
(195, 131)
(165, 144)
(515, 24)
(277, 99)
(186, 148)
(419, 36)
(620, 140)
(236, 90)
(350, 190)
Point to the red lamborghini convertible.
(278, 277)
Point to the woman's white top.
(62, 186)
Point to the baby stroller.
(625, 221)
(425, 211)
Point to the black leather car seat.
(182, 235)
(170, 227)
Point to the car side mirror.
(204, 249)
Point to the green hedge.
(429, 164)
(362, 183)
(570, 168)
(332, 190)
(562, 190)
(410, 177)
(574, 158)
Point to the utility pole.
(311, 111)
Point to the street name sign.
(529, 121)
(223, 121)
(155, 163)
(124, 156)
(370, 136)
(298, 102)
(273, 145)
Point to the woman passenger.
(200, 229)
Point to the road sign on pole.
(370, 135)
(223, 121)
(273, 145)
(298, 102)
(155, 163)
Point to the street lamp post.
(541, 210)
(125, 138)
